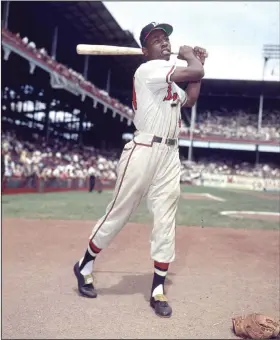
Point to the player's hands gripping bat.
(200, 53)
(186, 53)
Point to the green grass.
(91, 206)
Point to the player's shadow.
(132, 284)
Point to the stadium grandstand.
(66, 117)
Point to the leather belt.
(168, 141)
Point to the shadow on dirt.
(133, 284)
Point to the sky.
(232, 32)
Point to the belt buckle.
(167, 141)
(157, 139)
(170, 142)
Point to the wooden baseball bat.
(108, 50)
(86, 49)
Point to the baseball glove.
(255, 326)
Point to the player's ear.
(145, 51)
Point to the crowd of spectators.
(23, 158)
(238, 124)
(57, 159)
(68, 74)
(192, 170)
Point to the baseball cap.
(168, 29)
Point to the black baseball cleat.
(85, 283)
(160, 305)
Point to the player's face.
(157, 46)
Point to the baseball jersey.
(156, 100)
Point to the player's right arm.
(194, 71)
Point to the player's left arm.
(193, 89)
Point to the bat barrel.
(107, 50)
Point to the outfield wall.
(16, 185)
(238, 182)
(33, 184)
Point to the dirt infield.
(218, 273)
(267, 195)
(254, 215)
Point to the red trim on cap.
(147, 35)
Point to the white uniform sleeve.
(182, 94)
(157, 73)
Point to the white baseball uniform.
(146, 168)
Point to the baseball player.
(149, 166)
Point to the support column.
(193, 119)
(85, 74)
(81, 128)
(54, 43)
(108, 83)
(6, 14)
(47, 121)
(261, 97)
(257, 155)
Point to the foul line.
(212, 197)
(235, 212)
(216, 198)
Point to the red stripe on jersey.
(185, 100)
(169, 73)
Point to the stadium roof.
(97, 26)
(94, 22)
(86, 22)
(241, 88)
(91, 22)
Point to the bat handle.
(176, 53)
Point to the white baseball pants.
(151, 170)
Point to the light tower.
(269, 52)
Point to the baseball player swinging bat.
(85, 49)
(149, 166)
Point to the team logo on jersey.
(170, 94)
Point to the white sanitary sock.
(158, 290)
(87, 268)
